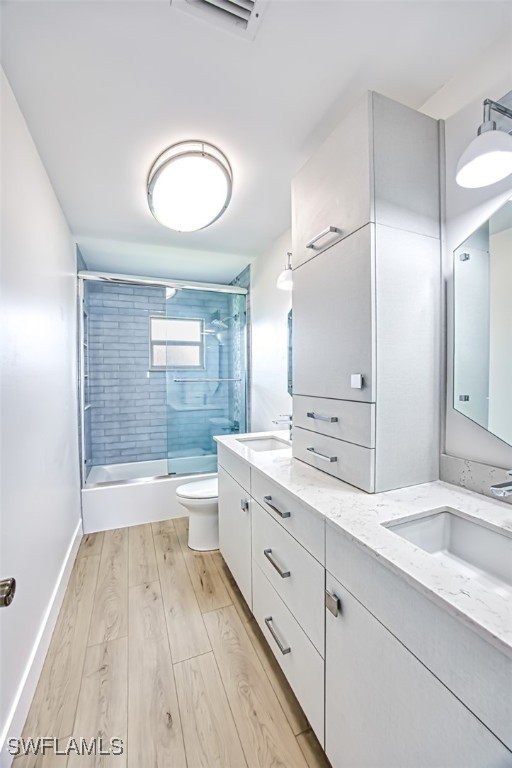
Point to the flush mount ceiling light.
(285, 279)
(189, 186)
(488, 158)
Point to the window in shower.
(176, 343)
(166, 374)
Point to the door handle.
(319, 417)
(327, 231)
(332, 602)
(7, 592)
(322, 456)
(268, 555)
(283, 648)
(268, 500)
(244, 505)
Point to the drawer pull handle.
(244, 505)
(284, 649)
(322, 456)
(327, 231)
(319, 417)
(268, 555)
(268, 500)
(332, 602)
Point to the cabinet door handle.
(327, 231)
(332, 602)
(268, 500)
(268, 555)
(319, 417)
(244, 505)
(284, 649)
(322, 456)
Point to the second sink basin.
(264, 443)
(474, 549)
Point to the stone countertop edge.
(358, 515)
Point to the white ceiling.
(105, 86)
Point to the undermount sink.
(478, 550)
(264, 443)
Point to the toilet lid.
(200, 489)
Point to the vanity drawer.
(295, 653)
(234, 466)
(295, 574)
(351, 463)
(294, 516)
(346, 420)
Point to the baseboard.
(19, 711)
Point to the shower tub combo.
(162, 371)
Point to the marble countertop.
(360, 516)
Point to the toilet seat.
(199, 489)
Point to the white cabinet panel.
(296, 576)
(333, 321)
(235, 531)
(333, 188)
(384, 709)
(342, 419)
(235, 466)
(303, 524)
(350, 463)
(296, 655)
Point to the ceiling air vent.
(240, 16)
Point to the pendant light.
(488, 158)
(189, 186)
(285, 279)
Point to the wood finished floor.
(155, 645)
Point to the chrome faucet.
(285, 418)
(503, 489)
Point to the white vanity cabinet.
(366, 308)
(384, 708)
(235, 531)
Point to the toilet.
(201, 499)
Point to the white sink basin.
(474, 549)
(264, 443)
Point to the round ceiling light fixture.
(189, 186)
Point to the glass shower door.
(202, 343)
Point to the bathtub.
(118, 495)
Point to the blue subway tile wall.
(127, 399)
(138, 414)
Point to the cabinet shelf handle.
(322, 456)
(244, 505)
(268, 555)
(327, 231)
(319, 417)
(332, 602)
(284, 649)
(268, 500)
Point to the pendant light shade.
(189, 186)
(486, 160)
(285, 279)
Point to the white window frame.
(177, 343)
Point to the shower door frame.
(109, 277)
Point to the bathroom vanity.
(390, 618)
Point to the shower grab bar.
(192, 381)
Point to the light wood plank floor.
(156, 646)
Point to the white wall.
(459, 102)
(269, 338)
(40, 491)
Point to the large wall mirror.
(482, 366)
